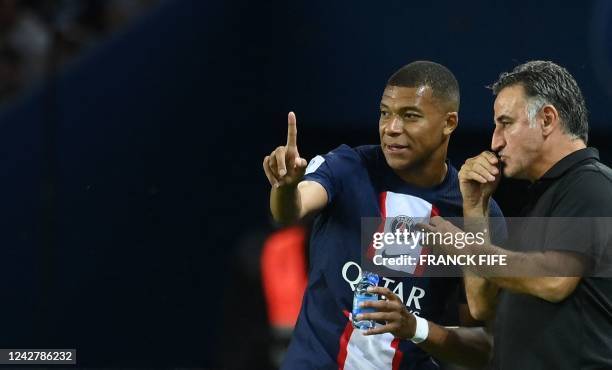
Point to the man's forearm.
(530, 273)
(476, 220)
(462, 346)
(481, 294)
(285, 204)
(533, 273)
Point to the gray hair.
(548, 83)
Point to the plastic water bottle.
(368, 279)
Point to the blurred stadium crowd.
(38, 36)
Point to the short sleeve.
(330, 170)
(318, 170)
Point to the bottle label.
(358, 298)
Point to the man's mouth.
(396, 148)
(503, 161)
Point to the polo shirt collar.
(569, 161)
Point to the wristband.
(422, 330)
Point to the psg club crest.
(402, 223)
(400, 248)
(408, 224)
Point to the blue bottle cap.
(372, 278)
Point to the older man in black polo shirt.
(551, 310)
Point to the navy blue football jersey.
(359, 183)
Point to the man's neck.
(557, 153)
(425, 176)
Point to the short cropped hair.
(440, 79)
(544, 83)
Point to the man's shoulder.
(364, 155)
(368, 150)
(340, 166)
(346, 151)
(592, 177)
(597, 171)
(584, 191)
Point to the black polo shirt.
(576, 333)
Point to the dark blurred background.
(134, 205)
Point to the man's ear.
(452, 120)
(550, 119)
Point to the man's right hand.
(478, 179)
(284, 167)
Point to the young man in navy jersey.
(407, 175)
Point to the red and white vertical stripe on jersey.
(360, 352)
(382, 351)
(393, 205)
(344, 340)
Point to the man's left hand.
(399, 322)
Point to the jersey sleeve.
(330, 170)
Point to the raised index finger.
(291, 130)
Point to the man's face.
(516, 140)
(411, 125)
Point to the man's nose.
(497, 142)
(395, 125)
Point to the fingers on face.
(486, 170)
(489, 162)
(479, 169)
(490, 157)
(477, 176)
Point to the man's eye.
(502, 124)
(384, 113)
(410, 116)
